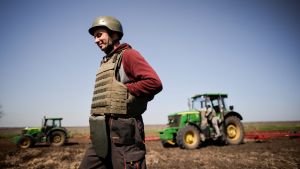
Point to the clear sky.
(248, 49)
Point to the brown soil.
(273, 153)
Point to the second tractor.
(184, 128)
(51, 132)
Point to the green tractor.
(51, 132)
(185, 129)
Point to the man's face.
(102, 39)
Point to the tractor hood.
(184, 112)
(28, 130)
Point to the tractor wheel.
(234, 130)
(25, 142)
(57, 138)
(188, 137)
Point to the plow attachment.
(263, 135)
(254, 135)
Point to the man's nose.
(97, 40)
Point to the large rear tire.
(234, 130)
(25, 142)
(57, 138)
(188, 137)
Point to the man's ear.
(115, 36)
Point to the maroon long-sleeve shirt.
(136, 73)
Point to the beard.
(108, 49)
(110, 46)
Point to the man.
(125, 82)
(209, 114)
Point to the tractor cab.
(50, 123)
(217, 101)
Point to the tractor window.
(56, 123)
(198, 104)
(49, 123)
(215, 102)
(174, 121)
(216, 105)
(224, 107)
(219, 104)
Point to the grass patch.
(7, 135)
(272, 126)
(152, 132)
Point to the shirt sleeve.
(144, 81)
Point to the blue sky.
(248, 49)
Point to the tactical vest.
(112, 96)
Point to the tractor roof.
(53, 118)
(210, 95)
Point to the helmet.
(108, 22)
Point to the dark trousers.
(126, 149)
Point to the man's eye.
(98, 35)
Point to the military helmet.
(108, 22)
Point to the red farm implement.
(253, 135)
(263, 135)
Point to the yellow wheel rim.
(56, 139)
(233, 132)
(26, 142)
(189, 138)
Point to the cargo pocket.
(135, 160)
(122, 131)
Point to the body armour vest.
(110, 95)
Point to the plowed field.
(281, 152)
(272, 153)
